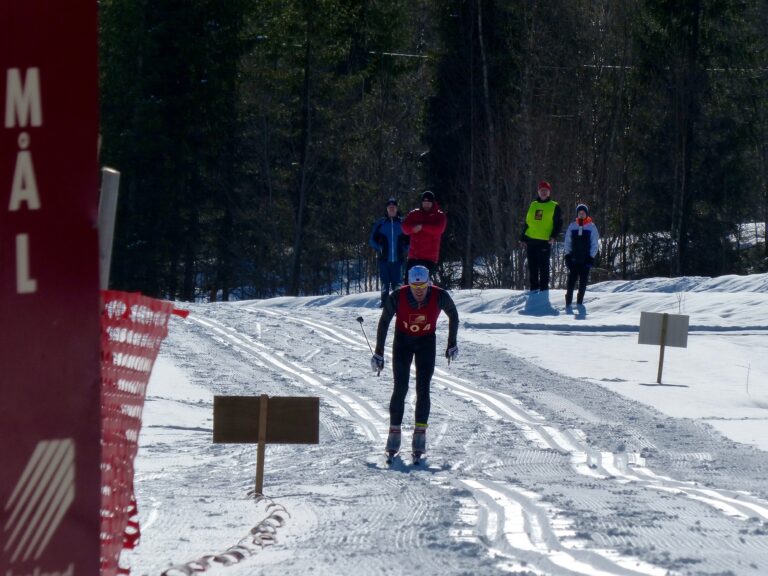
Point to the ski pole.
(360, 319)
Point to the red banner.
(49, 297)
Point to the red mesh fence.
(132, 329)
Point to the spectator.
(391, 246)
(542, 226)
(425, 226)
(581, 245)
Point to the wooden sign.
(261, 419)
(292, 420)
(663, 330)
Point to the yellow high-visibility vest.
(540, 220)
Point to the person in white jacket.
(581, 246)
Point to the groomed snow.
(552, 449)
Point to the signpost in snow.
(261, 419)
(663, 330)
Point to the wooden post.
(263, 403)
(664, 320)
(110, 183)
(662, 330)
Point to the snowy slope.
(552, 450)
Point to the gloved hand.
(377, 363)
(568, 261)
(590, 261)
(452, 352)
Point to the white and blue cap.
(418, 275)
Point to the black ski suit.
(417, 341)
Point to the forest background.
(258, 140)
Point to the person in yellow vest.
(542, 226)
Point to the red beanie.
(545, 184)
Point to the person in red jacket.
(425, 226)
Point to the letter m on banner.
(50, 421)
(23, 106)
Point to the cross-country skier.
(416, 308)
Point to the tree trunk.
(497, 224)
(306, 133)
(687, 114)
(525, 145)
(467, 265)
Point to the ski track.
(518, 530)
(365, 415)
(616, 467)
(500, 406)
(515, 521)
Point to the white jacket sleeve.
(594, 243)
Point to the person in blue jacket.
(581, 245)
(391, 245)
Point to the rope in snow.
(261, 535)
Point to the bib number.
(416, 328)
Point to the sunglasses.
(419, 285)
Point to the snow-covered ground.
(551, 447)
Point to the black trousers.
(538, 263)
(405, 349)
(578, 272)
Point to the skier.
(391, 245)
(416, 308)
(581, 245)
(543, 223)
(425, 226)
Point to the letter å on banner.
(261, 419)
(663, 330)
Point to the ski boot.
(419, 445)
(393, 443)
